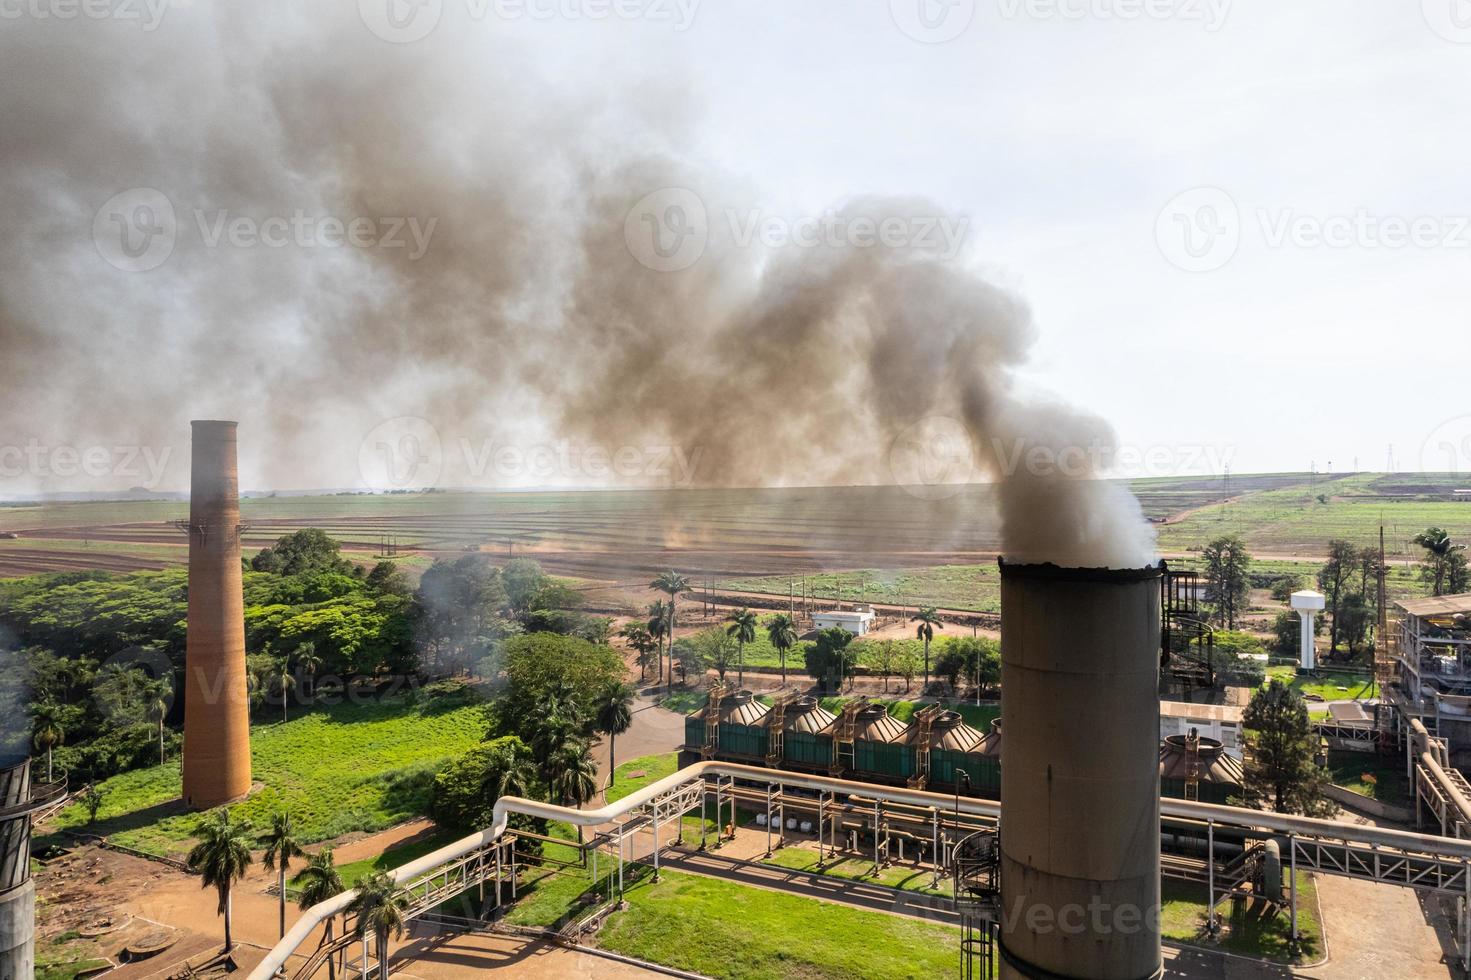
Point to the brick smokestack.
(216, 710)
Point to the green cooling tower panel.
(742, 740)
(803, 748)
(883, 758)
(983, 770)
(694, 730)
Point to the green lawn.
(353, 767)
(857, 869)
(1370, 775)
(1328, 685)
(64, 956)
(727, 930)
(1246, 929)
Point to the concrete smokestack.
(1080, 795)
(216, 712)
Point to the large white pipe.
(1252, 820)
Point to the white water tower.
(1308, 604)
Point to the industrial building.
(856, 621)
(1432, 661)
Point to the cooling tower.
(216, 711)
(1080, 795)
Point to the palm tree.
(554, 728)
(47, 731)
(1438, 559)
(221, 858)
(310, 661)
(573, 778)
(287, 683)
(381, 907)
(673, 583)
(319, 881)
(743, 628)
(156, 697)
(281, 847)
(613, 717)
(929, 621)
(642, 641)
(507, 773)
(782, 631)
(658, 627)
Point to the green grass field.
(856, 869)
(1246, 929)
(346, 768)
(1328, 685)
(722, 929)
(1372, 776)
(970, 587)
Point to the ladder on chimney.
(844, 734)
(1192, 761)
(718, 690)
(924, 740)
(776, 726)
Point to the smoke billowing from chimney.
(524, 309)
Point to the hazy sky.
(1243, 228)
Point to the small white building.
(855, 621)
(1221, 722)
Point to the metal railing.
(1372, 853)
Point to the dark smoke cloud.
(527, 312)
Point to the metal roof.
(953, 734)
(742, 708)
(1216, 766)
(1444, 605)
(875, 724)
(805, 715)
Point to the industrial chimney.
(216, 711)
(1080, 797)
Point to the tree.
(643, 643)
(381, 906)
(1226, 581)
(285, 683)
(614, 714)
(831, 657)
(157, 700)
(1284, 586)
(907, 663)
(712, 647)
(458, 606)
(281, 848)
(928, 619)
(880, 657)
(523, 578)
(1335, 579)
(691, 658)
(310, 662)
(1443, 567)
(47, 731)
(387, 578)
(1283, 767)
(673, 584)
(92, 802)
(658, 627)
(543, 667)
(304, 552)
(465, 790)
(221, 858)
(781, 630)
(317, 882)
(742, 629)
(573, 777)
